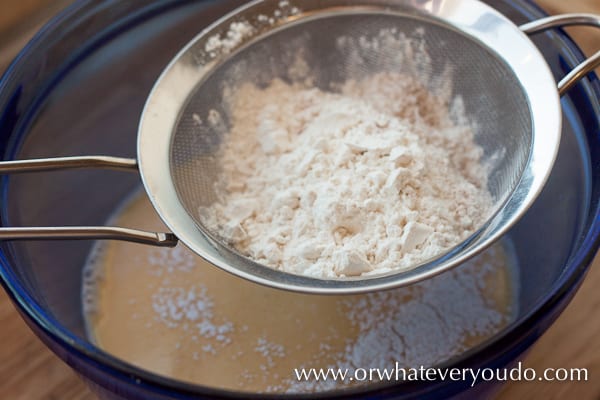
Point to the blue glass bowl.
(79, 87)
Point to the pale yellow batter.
(169, 312)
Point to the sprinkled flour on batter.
(374, 178)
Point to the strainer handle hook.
(559, 21)
(80, 232)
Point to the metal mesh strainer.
(508, 92)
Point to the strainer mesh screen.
(493, 98)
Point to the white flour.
(238, 31)
(420, 325)
(371, 179)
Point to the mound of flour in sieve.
(374, 178)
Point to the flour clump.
(374, 177)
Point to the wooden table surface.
(29, 371)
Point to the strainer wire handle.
(90, 233)
(58, 163)
(559, 21)
(80, 232)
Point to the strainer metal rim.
(498, 33)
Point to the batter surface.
(169, 312)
